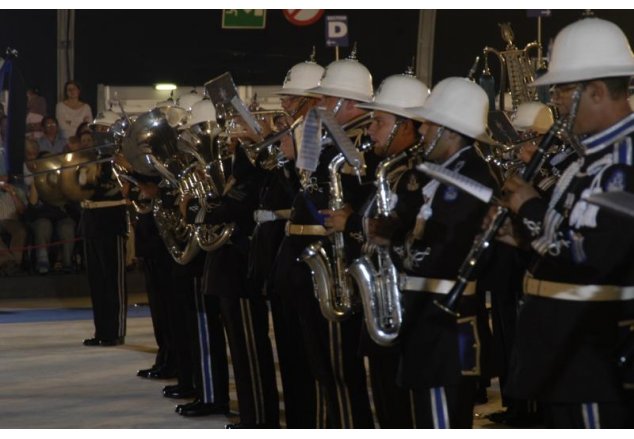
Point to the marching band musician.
(392, 131)
(244, 311)
(104, 227)
(504, 271)
(579, 290)
(331, 347)
(203, 370)
(195, 331)
(157, 264)
(278, 188)
(439, 355)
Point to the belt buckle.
(402, 281)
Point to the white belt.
(439, 286)
(585, 293)
(88, 204)
(264, 216)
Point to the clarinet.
(450, 303)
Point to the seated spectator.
(52, 140)
(12, 205)
(36, 110)
(84, 127)
(87, 140)
(74, 144)
(42, 217)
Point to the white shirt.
(7, 205)
(69, 119)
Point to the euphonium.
(333, 288)
(204, 179)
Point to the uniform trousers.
(392, 404)
(211, 369)
(588, 415)
(105, 259)
(197, 336)
(445, 406)
(298, 384)
(331, 349)
(157, 269)
(435, 352)
(247, 326)
(245, 319)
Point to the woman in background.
(71, 112)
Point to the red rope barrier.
(32, 247)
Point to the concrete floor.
(48, 379)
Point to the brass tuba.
(205, 179)
(69, 176)
(150, 145)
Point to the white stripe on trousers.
(204, 344)
(439, 410)
(336, 362)
(254, 364)
(121, 293)
(590, 413)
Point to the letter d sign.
(336, 30)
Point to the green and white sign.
(243, 18)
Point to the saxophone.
(332, 286)
(378, 286)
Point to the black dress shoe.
(143, 373)
(91, 342)
(161, 373)
(112, 341)
(199, 408)
(157, 373)
(241, 425)
(177, 391)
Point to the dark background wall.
(34, 35)
(140, 47)
(462, 34)
(190, 47)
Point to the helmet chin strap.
(571, 138)
(338, 106)
(434, 142)
(300, 106)
(390, 138)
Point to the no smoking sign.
(303, 17)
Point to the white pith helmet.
(588, 49)
(533, 116)
(202, 111)
(106, 118)
(302, 77)
(348, 79)
(188, 100)
(397, 93)
(460, 105)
